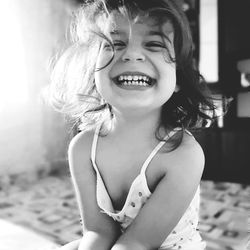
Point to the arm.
(169, 201)
(100, 231)
(96, 240)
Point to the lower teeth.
(134, 83)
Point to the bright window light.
(208, 63)
(13, 77)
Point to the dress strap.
(103, 199)
(156, 149)
(94, 146)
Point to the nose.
(133, 53)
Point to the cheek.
(169, 75)
(98, 82)
(168, 83)
(102, 72)
(102, 82)
(172, 79)
(104, 59)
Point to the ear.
(177, 88)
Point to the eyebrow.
(159, 33)
(155, 33)
(150, 33)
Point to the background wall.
(33, 137)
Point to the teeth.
(134, 83)
(133, 78)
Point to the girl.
(129, 80)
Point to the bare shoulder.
(191, 150)
(79, 149)
(188, 158)
(81, 141)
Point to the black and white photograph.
(125, 125)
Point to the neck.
(136, 126)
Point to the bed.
(44, 215)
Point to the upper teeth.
(133, 78)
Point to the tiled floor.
(49, 208)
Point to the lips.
(134, 79)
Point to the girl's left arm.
(169, 201)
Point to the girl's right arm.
(99, 230)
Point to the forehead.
(119, 24)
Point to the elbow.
(131, 245)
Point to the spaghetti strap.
(105, 203)
(155, 150)
(94, 145)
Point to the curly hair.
(73, 91)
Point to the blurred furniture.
(227, 154)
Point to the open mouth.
(140, 80)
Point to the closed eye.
(119, 45)
(116, 45)
(155, 46)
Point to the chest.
(120, 168)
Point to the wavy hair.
(73, 91)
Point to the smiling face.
(141, 76)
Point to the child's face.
(140, 76)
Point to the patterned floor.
(49, 208)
